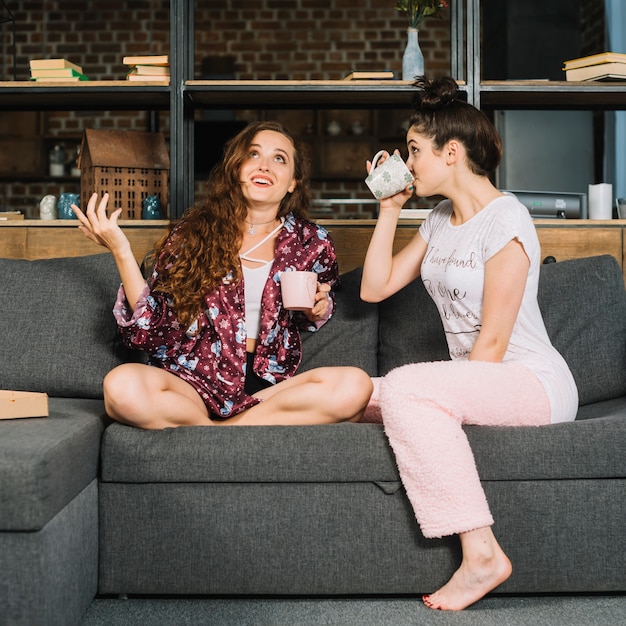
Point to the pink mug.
(298, 290)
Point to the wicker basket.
(129, 165)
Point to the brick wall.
(268, 39)
(314, 39)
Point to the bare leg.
(325, 395)
(483, 568)
(149, 397)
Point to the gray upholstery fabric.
(567, 451)
(350, 337)
(342, 538)
(338, 452)
(353, 453)
(615, 407)
(49, 577)
(583, 303)
(410, 329)
(45, 462)
(276, 538)
(561, 535)
(58, 334)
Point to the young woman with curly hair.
(222, 348)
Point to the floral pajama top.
(211, 354)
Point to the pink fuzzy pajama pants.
(423, 407)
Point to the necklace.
(252, 229)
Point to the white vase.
(412, 59)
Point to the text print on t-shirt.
(462, 318)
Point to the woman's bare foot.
(484, 567)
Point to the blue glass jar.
(64, 205)
(151, 208)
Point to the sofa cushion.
(330, 453)
(350, 337)
(583, 303)
(587, 449)
(410, 329)
(57, 331)
(351, 453)
(46, 462)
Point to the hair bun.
(435, 94)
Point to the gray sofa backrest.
(57, 332)
(583, 303)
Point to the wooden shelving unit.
(183, 97)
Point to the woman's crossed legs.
(151, 398)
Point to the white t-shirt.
(453, 274)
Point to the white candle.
(601, 201)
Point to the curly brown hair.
(202, 248)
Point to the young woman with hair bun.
(478, 256)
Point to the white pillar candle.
(601, 201)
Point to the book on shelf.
(370, 75)
(60, 79)
(150, 70)
(66, 72)
(151, 59)
(53, 64)
(600, 72)
(595, 59)
(156, 78)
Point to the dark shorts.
(253, 382)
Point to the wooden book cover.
(50, 64)
(603, 71)
(156, 78)
(150, 70)
(595, 59)
(60, 79)
(153, 59)
(56, 72)
(370, 75)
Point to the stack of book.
(151, 67)
(607, 66)
(55, 70)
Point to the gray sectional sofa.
(88, 506)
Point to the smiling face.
(428, 166)
(267, 173)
